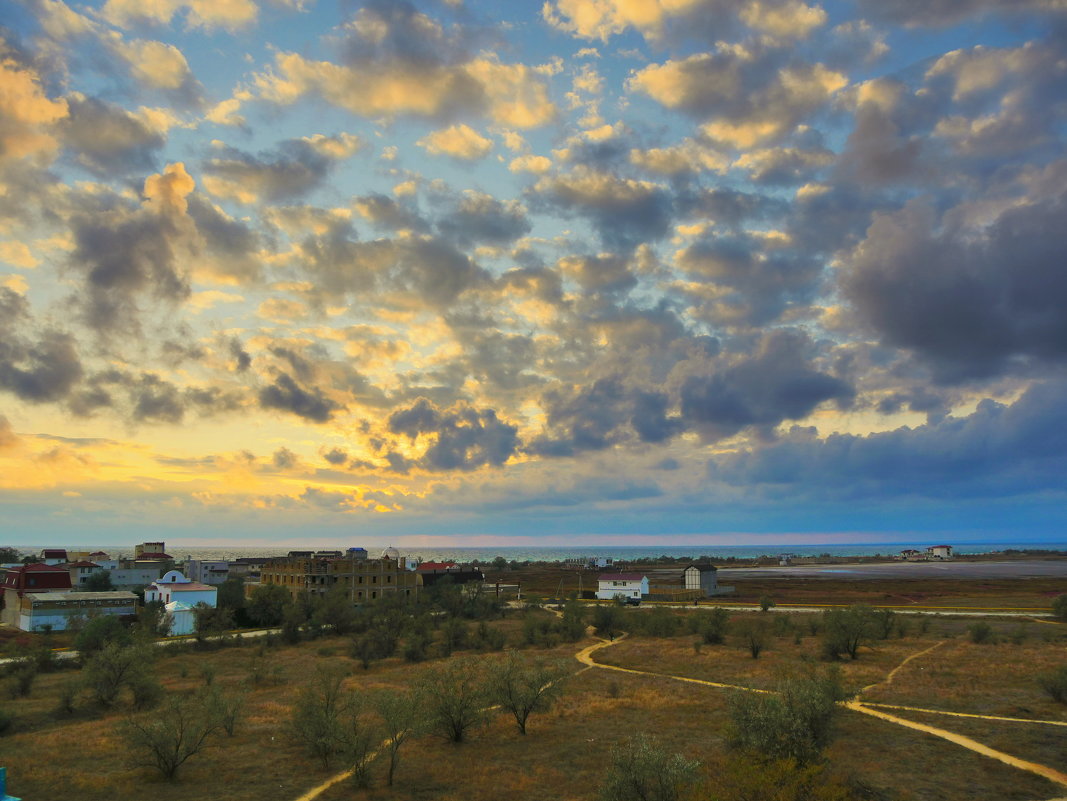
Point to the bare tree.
(168, 739)
(455, 698)
(523, 686)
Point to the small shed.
(701, 577)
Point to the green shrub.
(1059, 607)
(642, 770)
(7, 721)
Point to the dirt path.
(973, 745)
(889, 677)
(585, 656)
(963, 714)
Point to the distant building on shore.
(307, 573)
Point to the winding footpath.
(585, 656)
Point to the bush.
(765, 603)
(794, 724)
(168, 740)
(1059, 607)
(1055, 684)
(100, 632)
(753, 635)
(523, 687)
(981, 633)
(22, 675)
(642, 770)
(115, 668)
(7, 721)
(845, 630)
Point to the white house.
(939, 552)
(621, 585)
(173, 586)
(53, 611)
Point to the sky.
(579, 272)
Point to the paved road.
(1030, 568)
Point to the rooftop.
(118, 595)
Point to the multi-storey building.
(305, 575)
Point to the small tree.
(845, 630)
(318, 719)
(765, 603)
(883, 622)
(754, 635)
(402, 717)
(980, 632)
(523, 687)
(99, 581)
(166, 741)
(114, 668)
(455, 697)
(607, 619)
(572, 624)
(267, 605)
(211, 621)
(642, 770)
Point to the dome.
(390, 553)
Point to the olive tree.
(455, 699)
(642, 770)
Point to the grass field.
(565, 753)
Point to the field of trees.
(461, 698)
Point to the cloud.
(230, 15)
(538, 165)
(122, 256)
(295, 168)
(156, 64)
(481, 218)
(624, 211)
(288, 396)
(460, 438)
(458, 141)
(944, 12)
(400, 61)
(997, 450)
(745, 95)
(39, 370)
(107, 139)
(971, 303)
(27, 114)
(774, 384)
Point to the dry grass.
(567, 749)
(961, 676)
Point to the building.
(405, 562)
(150, 550)
(305, 574)
(53, 611)
(436, 567)
(457, 576)
(911, 555)
(134, 577)
(939, 552)
(80, 572)
(29, 579)
(173, 586)
(53, 556)
(621, 585)
(182, 618)
(207, 572)
(702, 579)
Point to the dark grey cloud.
(287, 395)
(970, 303)
(284, 459)
(386, 213)
(995, 451)
(464, 438)
(242, 359)
(122, 258)
(39, 366)
(597, 416)
(231, 244)
(602, 273)
(293, 169)
(757, 281)
(108, 140)
(336, 456)
(776, 383)
(624, 213)
(946, 12)
(480, 219)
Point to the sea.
(627, 553)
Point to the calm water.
(555, 554)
